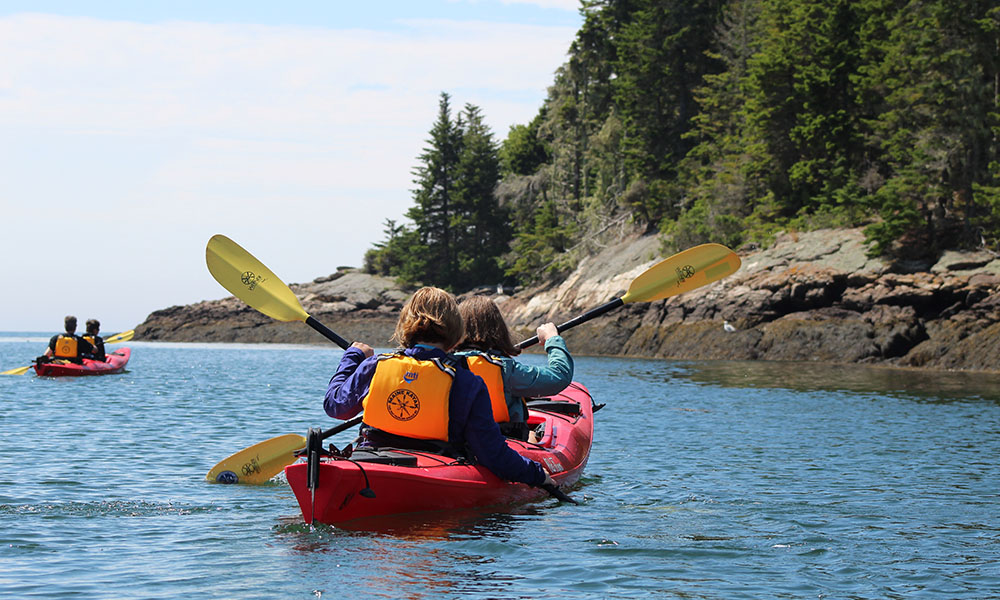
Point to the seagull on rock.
(729, 328)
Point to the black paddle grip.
(327, 332)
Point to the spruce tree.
(435, 256)
(480, 226)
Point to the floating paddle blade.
(120, 337)
(258, 463)
(17, 371)
(250, 281)
(683, 272)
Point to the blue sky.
(131, 132)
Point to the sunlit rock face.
(810, 297)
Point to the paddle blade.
(683, 272)
(17, 371)
(250, 281)
(258, 463)
(120, 337)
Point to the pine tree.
(721, 175)
(435, 254)
(480, 225)
(661, 58)
(937, 127)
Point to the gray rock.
(812, 296)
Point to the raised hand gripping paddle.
(680, 273)
(115, 339)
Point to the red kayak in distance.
(373, 483)
(115, 363)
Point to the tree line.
(724, 121)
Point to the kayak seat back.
(384, 457)
(563, 407)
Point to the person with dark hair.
(489, 351)
(67, 346)
(421, 398)
(93, 336)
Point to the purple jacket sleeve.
(349, 385)
(483, 437)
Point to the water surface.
(707, 480)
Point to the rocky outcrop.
(355, 305)
(810, 297)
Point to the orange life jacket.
(490, 368)
(66, 347)
(97, 353)
(409, 397)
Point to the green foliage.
(397, 256)
(459, 230)
(523, 152)
(539, 251)
(481, 225)
(725, 121)
(661, 55)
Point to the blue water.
(707, 480)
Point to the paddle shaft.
(342, 427)
(327, 332)
(558, 494)
(590, 314)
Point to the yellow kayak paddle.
(249, 280)
(680, 273)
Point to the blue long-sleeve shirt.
(527, 381)
(470, 415)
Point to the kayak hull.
(116, 362)
(410, 481)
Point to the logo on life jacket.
(409, 377)
(403, 405)
(66, 347)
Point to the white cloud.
(167, 133)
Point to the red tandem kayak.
(116, 362)
(406, 481)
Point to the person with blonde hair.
(421, 398)
(489, 351)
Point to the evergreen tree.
(661, 58)
(523, 152)
(481, 229)
(937, 129)
(721, 175)
(724, 120)
(803, 103)
(433, 211)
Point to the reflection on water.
(420, 555)
(433, 526)
(804, 376)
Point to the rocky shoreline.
(810, 297)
